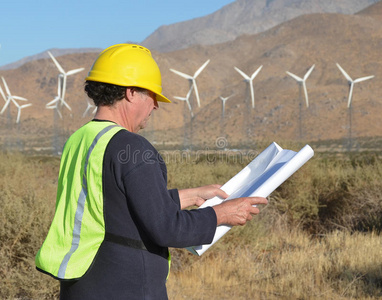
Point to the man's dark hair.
(104, 93)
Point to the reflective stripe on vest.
(78, 227)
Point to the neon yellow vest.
(78, 226)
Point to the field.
(319, 237)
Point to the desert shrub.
(331, 193)
(27, 201)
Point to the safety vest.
(78, 226)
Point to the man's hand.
(238, 211)
(197, 196)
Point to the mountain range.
(321, 39)
(243, 17)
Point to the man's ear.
(129, 94)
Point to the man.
(115, 217)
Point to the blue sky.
(28, 27)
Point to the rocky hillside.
(243, 17)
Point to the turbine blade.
(6, 86)
(306, 94)
(299, 79)
(85, 112)
(66, 104)
(201, 69)
(308, 73)
(14, 102)
(243, 74)
(18, 116)
(75, 71)
(181, 74)
(180, 98)
(252, 95)
(350, 94)
(189, 105)
(5, 106)
(196, 93)
(256, 72)
(2, 94)
(344, 73)
(363, 78)
(55, 100)
(26, 105)
(59, 85)
(189, 92)
(56, 63)
(19, 98)
(59, 113)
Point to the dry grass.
(27, 201)
(291, 251)
(286, 265)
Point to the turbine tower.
(192, 79)
(351, 83)
(249, 81)
(64, 78)
(302, 84)
(187, 100)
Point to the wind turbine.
(9, 98)
(249, 81)
(192, 79)
(19, 108)
(224, 99)
(351, 83)
(187, 100)
(54, 103)
(90, 105)
(302, 82)
(64, 78)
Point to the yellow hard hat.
(128, 65)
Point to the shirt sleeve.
(157, 210)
